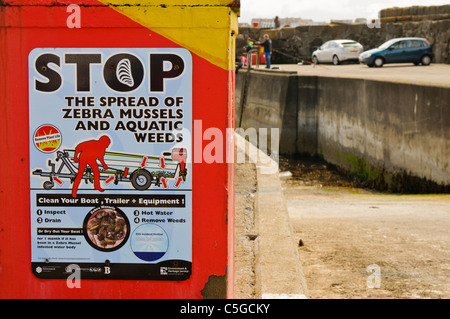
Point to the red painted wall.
(25, 28)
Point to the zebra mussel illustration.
(123, 72)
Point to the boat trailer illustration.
(141, 171)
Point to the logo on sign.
(47, 138)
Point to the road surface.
(434, 74)
(356, 243)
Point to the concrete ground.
(267, 264)
(305, 238)
(434, 74)
(348, 242)
(356, 243)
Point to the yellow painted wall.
(204, 27)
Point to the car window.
(399, 45)
(416, 44)
(325, 46)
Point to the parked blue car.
(401, 50)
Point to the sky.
(324, 10)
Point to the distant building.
(284, 22)
(263, 23)
(341, 21)
(361, 20)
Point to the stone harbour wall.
(292, 45)
(415, 13)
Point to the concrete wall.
(385, 132)
(394, 135)
(270, 102)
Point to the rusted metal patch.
(215, 288)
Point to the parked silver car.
(336, 51)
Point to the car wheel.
(336, 60)
(426, 60)
(378, 62)
(315, 60)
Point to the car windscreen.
(387, 44)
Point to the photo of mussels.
(107, 229)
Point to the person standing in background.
(277, 22)
(267, 44)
